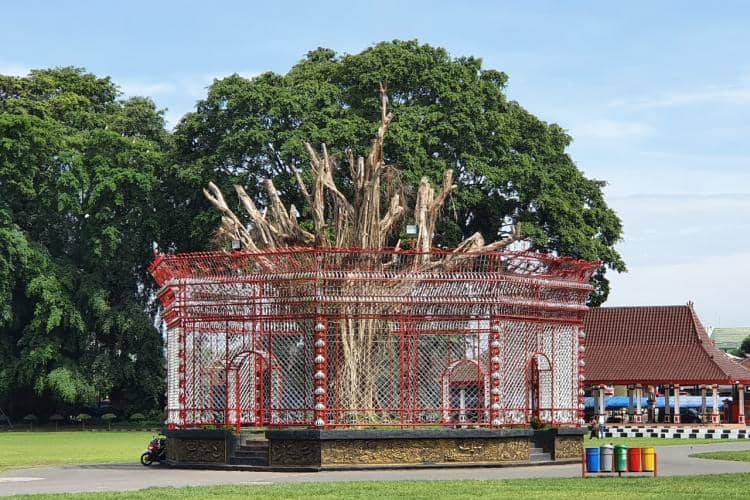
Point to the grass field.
(725, 486)
(653, 442)
(26, 449)
(735, 456)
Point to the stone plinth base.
(331, 449)
(199, 446)
(313, 450)
(568, 443)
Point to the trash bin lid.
(606, 446)
(621, 447)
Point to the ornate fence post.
(581, 376)
(320, 364)
(496, 405)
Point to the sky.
(655, 94)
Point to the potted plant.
(83, 418)
(108, 418)
(30, 418)
(56, 418)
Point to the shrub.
(56, 418)
(109, 417)
(137, 418)
(83, 418)
(30, 418)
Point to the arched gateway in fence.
(332, 337)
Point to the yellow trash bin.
(648, 456)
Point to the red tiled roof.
(655, 345)
(745, 362)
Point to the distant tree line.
(90, 181)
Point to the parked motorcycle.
(156, 451)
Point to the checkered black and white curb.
(678, 433)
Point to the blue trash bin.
(592, 459)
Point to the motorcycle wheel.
(146, 459)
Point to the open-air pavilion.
(660, 351)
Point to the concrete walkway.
(673, 460)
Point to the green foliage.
(620, 488)
(745, 346)
(56, 418)
(734, 456)
(108, 418)
(83, 418)
(137, 417)
(79, 183)
(511, 167)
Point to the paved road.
(673, 460)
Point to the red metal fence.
(342, 337)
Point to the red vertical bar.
(226, 377)
(402, 369)
(238, 396)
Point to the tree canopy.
(89, 181)
(79, 178)
(745, 346)
(450, 113)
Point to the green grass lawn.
(648, 442)
(25, 449)
(735, 456)
(723, 486)
(28, 449)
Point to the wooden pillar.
(715, 404)
(676, 417)
(638, 417)
(630, 404)
(667, 406)
(595, 393)
(602, 402)
(741, 402)
(703, 404)
(652, 411)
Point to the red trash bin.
(634, 460)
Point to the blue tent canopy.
(620, 402)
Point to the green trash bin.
(621, 458)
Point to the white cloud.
(193, 86)
(729, 94)
(611, 129)
(196, 86)
(171, 118)
(11, 69)
(683, 204)
(143, 88)
(717, 285)
(652, 178)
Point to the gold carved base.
(567, 447)
(196, 451)
(362, 452)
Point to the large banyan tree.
(327, 325)
(363, 216)
(452, 113)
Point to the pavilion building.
(650, 349)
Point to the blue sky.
(655, 94)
